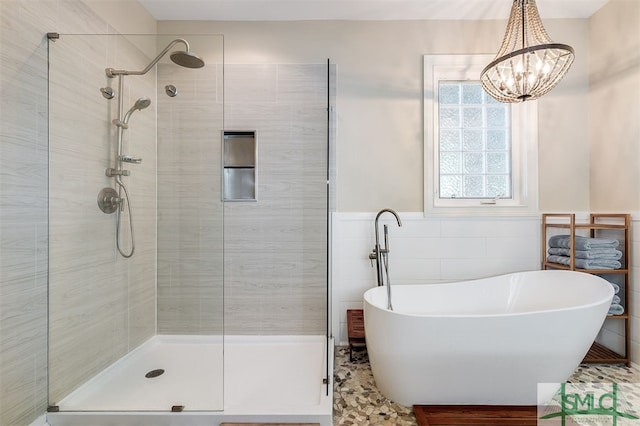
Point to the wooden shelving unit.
(618, 224)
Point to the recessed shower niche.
(239, 171)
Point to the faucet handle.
(373, 256)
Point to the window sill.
(481, 211)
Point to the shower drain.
(154, 373)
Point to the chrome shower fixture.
(381, 254)
(141, 103)
(107, 92)
(130, 159)
(184, 58)
(108, 200)
(171, 90)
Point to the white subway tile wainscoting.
(426, 251)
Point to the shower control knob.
(108, 200)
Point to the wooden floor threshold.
(473, 415)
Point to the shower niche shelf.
(239, 168)
(614, 226)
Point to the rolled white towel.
(616, 309)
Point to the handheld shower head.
(141, 103)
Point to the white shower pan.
(265, 379)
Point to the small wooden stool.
(355, 330)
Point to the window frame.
(524, 144)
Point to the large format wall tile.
(23, 214)
(275, 248)
(24, 181)
(190, 221)
(274, 265)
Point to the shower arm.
(111, 73)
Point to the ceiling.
(288, 10)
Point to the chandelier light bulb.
(519, 68)
(528, 64)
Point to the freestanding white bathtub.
(488, 341)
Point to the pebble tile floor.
(357, 402)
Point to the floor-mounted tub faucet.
(381, 254)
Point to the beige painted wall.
(614, 131)
(614, 109)
(123, 16)
(379, 99)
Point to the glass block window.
(474, 146)
(480, 156)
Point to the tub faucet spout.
(381, 254)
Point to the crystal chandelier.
(528, 64)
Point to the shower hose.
(119, 221)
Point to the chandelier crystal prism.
(528, 64)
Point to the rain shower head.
(141, 103)
(187, 59)
(184, 58)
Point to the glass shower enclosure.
(155, 278)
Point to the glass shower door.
(131, 160)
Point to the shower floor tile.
(357, 401)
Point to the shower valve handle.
(109, 200)
(114, 201)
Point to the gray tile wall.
(190, 221)
(23, 194)
(275, 248)
(23, 215)
(101, 305)
(274, 260)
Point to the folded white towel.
(588, 254)
(616, 299)
(585, 263)
(616, 309)
(582, 243)
(616, 288)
